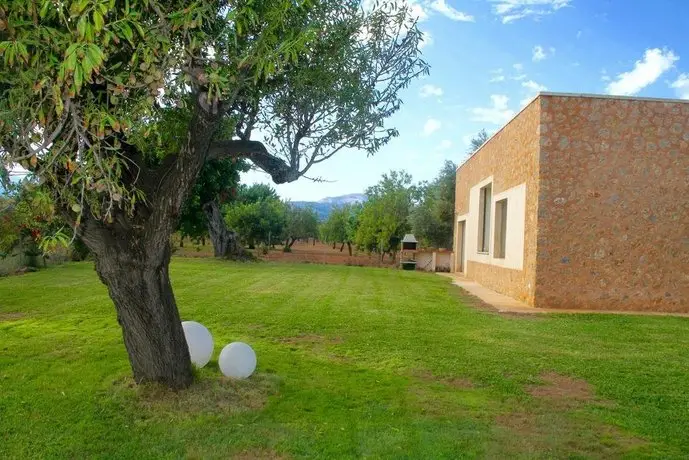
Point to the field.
(353, 362)
(302, 252)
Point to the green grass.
(352, 362)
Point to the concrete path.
(505, 304)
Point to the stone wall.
(511, 157)
(613, 205)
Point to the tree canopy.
(432, 219)
(384, 217)
(302, 222)
(477, 141)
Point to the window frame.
(484, 218)
(500, 234)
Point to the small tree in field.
(301, 223)
(257, 222)
(117, 105)
(341, 226)
(384, 217)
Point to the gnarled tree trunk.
(225, 241)
(133, 263)
(139, 285)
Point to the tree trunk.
(139, 284)
(342, 247)
(334, 244)
(314, 241)
(349, 246)
(181, 241)
(225, 241)
(291, 243)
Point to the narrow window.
(484, 219)
(500, 228)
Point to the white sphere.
(237, 360)
(200, 342)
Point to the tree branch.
(255, 151)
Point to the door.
(459, 252)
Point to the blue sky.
(489, 57)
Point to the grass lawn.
(352, 362)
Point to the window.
(484, 219)
(500, 229)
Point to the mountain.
(324, 206)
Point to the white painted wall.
(516, 217)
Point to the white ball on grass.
(200, 342)
(237, 360)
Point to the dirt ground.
(302, 252)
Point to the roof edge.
(611, 96)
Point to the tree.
(384, 217)
(477, 141)
(341, 226)
(259, 222)
(301, 223)
(117, 105)
(255, 193)
(216, 185)
(432, 220)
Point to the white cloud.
(518, 67)
(538, 53)
(604, 75)
(681, 86)
(445, 144)
(416, 10)
(432, 125)
(430, 90)
(498, 113)
(513, 10)
(443, 8)
(533, 86)
(532, 89)
(646, 71)
(427, 40)
(498, 76)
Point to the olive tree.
(117, 105)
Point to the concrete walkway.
(505, 304)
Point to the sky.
(489, 58)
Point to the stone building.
(581, 201)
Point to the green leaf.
(78, 78)
(81, 27)
(44, 8)
(127, 32)
(76, 208)
(98, 21)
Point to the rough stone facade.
(511, 157)
(613, 225)
(607, 211)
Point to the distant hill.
(324, 206)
